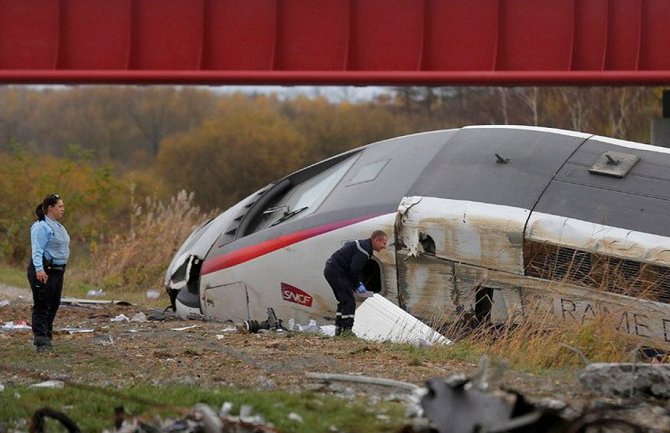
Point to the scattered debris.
(120, 318)
(266, 383)
(4, 303)
(330, 377)
(73, 330)
(272, 323)
(184, 328)
(79, 301)
(37, 423)
(378, 319)
(627, 379)
(313, 327)
(295, 417)
(19, 325)
(153, 294)
(96, 293)
(455, 405)
(139, 317)
(49, 384)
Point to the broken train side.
(490, 222)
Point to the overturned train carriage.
(488, 222)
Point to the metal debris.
(627, 379)
(201, 419)
(272, 323)
(37, 420)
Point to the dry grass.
(538, 343)
(136, 260)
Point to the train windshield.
(305, 197)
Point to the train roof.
(565, 173)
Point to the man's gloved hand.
(361, 288)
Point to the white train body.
(491, 222)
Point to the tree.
(245, 146)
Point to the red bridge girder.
(359, 42)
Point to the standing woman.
(50, 251)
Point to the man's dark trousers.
(344, 293)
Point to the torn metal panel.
(427, 286)
(503, 290)
(479, 234)
(598, 238)
(456, 405)
(378, 319)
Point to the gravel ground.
(165, 350)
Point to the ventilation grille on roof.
(598, 271)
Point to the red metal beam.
(359, 42)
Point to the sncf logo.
(295, 295)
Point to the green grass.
(75, 288)
(13, 276)
(92, 409)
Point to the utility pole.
(660, 128)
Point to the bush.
(137, 259)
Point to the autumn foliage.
(120, 156)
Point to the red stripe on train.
(251, 252)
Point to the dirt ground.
(214, 353)
(165, 350)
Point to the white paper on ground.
(378, 319)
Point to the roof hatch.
(615, 164)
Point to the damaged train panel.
(489, 222)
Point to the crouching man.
(343, 273)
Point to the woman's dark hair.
(39, 212)
(41, 209)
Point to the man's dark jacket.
(350, 259)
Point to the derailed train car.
(486, 221)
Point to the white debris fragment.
(4, 302)
(139, 317)
(95, 293)
(266, 382)
(226, 407)
(18, 326)
(310, 327)
(73, 330)
(119, 318)
(49, 384)
(153, 294)
(327, 330)
(295, 417)
(212, 423)
(378, 319)
(184, 328)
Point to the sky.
(333, 93)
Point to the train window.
(304, 198)
(316, 189)
(368, 172)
